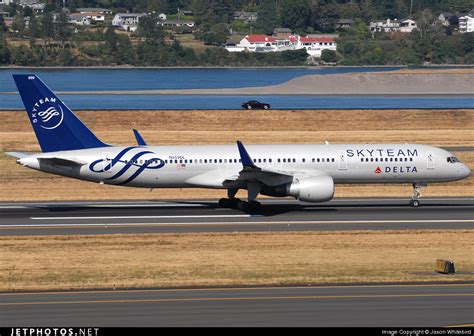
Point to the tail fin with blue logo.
(56, 126)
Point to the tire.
(415, 203)
(224, 203)
(255, 206)
(243, 206)
(266, 107)
(249, 107)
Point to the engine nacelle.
(312, 189)
(309, 189)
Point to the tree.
(295, 14)
(328, 56)
(47, 27)
(18, 24)
(149, 29)
(62, 29)
(267, 19)
(3, 27)
(33, 30)
(4, 50)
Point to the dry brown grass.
(435, 127)
(154, 260)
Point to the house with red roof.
(264, 43)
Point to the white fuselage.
(218, 166)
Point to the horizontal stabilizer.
(18, 155)
(62, 161)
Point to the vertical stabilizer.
(56, 126)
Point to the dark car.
(253, 104)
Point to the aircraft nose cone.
(466, 171)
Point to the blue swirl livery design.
(129, 169)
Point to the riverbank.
(443, 128)
(378, 83)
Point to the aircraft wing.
(252, 173)
(139, 138)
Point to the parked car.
(253, 104)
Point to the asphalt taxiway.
(205, 216)
(440, 305)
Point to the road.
(204, 216)
(355, 306)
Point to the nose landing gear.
(415, 202)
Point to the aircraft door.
(430, 160)
(106, 162)
(342, 158)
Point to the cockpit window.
(453, 159)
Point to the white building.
(127, 21)
(176, 23)
(79, 19)
(6, 2)
(263, 43)
(466, 24)
(444, 18)
(94, 16)
(385, 26)
(315, 46)
(407, 26)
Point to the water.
(155, 79)
(161, 79)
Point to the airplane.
(308, 173)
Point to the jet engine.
(308, 189)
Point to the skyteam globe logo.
(47, 113)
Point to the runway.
(356, 306)
(205, 216)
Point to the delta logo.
(378, 170)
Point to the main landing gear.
(236, 203)
(415, 202)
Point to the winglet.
(139, 138)
(245, 157)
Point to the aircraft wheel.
(243, 206)
(224, 203)
(255, 206)
(415, 203)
